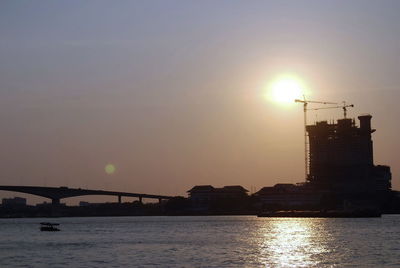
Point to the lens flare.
(110, 169)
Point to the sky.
(172, 93)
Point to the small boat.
(49, 227)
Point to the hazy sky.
(171, 92)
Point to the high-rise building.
(341, 158)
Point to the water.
(224, 241)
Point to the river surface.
(215, 241)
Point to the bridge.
(57, 193)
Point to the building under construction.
(341, 170)
(341, 158)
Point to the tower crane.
(305, 109)
(344, 107)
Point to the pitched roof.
(201, 188)
(234, 188)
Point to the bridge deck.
(57, 193)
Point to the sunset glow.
(285, 90)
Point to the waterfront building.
(201, 196)
(14, 202)
(341, 158)
(286, 195)
(208, 192)
(342, 172)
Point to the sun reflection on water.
(292, 242)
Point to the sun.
(285, 90)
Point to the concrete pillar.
(119, 199)
(159, 200)
(141, 199)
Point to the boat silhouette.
(49, 227)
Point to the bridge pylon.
(55, 201)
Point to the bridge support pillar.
(159, 200)
(55, 201)
(141, 200)
(119, 199)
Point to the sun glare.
(285, 90)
